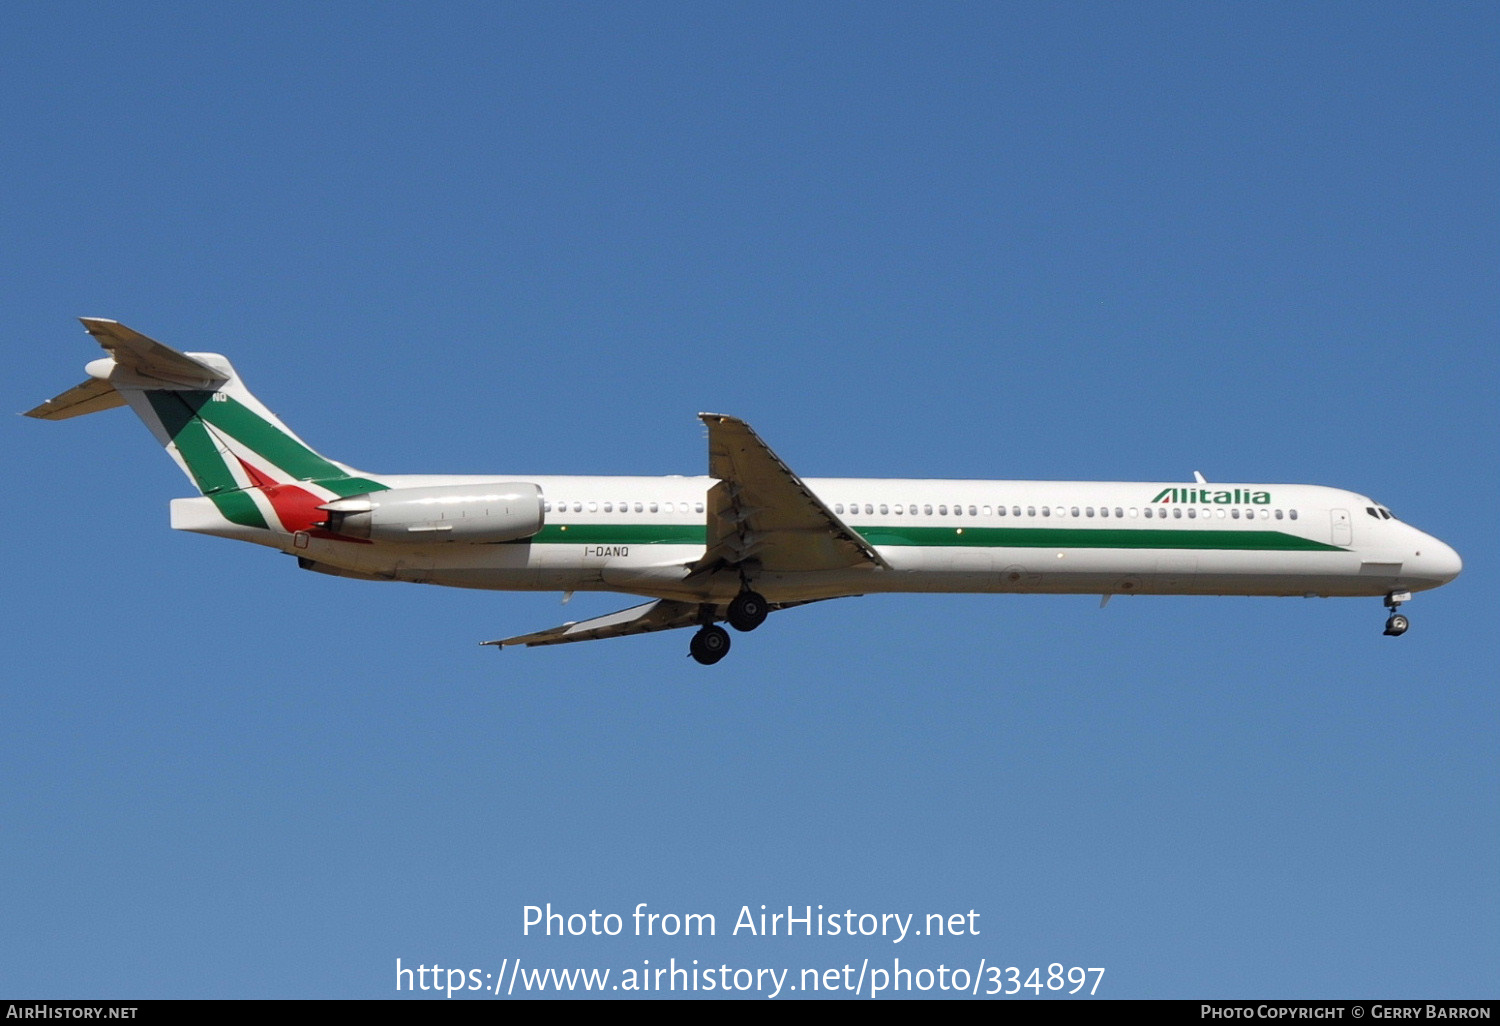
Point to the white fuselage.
(641, 534)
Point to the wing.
(760, 513)
(661, 615)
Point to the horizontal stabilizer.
(147, 356)
(661, 615)
(90, 397)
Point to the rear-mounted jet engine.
(493, 512)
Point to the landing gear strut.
(747, 611)
(710, 644)
(1396, 624)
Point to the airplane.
(748, 538)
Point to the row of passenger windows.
(1117, 512)
(957, 510)
(624, 507)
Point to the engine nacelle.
(497, 511)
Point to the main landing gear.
(1396, 624)
(747, 611)
(710, 644)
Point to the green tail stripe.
(972, 537)
(179, 409)
(268, 441)
(239, 508)
(212, 476)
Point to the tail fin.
(256, 472)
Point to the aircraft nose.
(1437, 561)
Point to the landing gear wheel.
(747, 611)
(1396, 624)
(710, 644)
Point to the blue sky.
(1073, 240)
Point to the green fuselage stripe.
(967, 537)
(1093, 538)
(621, 534)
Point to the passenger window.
(1177, 514)
(1192, 513)
(1133, 511)
(1046, 511)
(609, 507)
(988, 511)
(1278, 514)
(593, 507)
(1030, 511)
(1292, 514)
(577, 507)
(546, 506)
(1235, 514)
(1000, 510)
(698, 507)
(653, 507)
(942, 511)
(884, 509)
(899, 510)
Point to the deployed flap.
(146, 355)
(90, 397)
(661, 615)
(761, 514)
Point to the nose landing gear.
(1396, 624)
